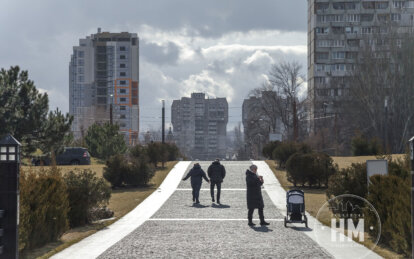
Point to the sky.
(223, 48)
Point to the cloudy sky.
(221, 47)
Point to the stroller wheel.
(285, 223)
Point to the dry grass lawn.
(316, 198)
(122, 201)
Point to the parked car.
(69, 156)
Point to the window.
(322, 6)
(122, 74)
(122, 48)
(350, 6)
(395, 17)
(122, 116)
(122, 91)
(366, 30)
(368, 5)
(353, 43)
(351, 55)
(80, 54)
(338, 43)
(122, 99)
(122, 82)
(339, 6)
(81, 62)
(352, 30)
(320, 30)
(80, 78)
(122, 65)
(122, 108)
(353, 18)
(338, 55)
(321, 67)
(338, 30)
(320, 80)
(381, 5)
(323, 43)
(122, 57)
(322, 55)
(383, 17)
(338, 67)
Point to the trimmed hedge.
(44, 207)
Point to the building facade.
(260, 125)
(200, 126)
(104, 83)
(337, 29)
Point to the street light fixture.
(9, 150)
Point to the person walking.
(216, 172)
(254, 184)
(196, 174)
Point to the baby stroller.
(295, 207)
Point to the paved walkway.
(177, 228)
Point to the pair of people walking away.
(254, 184)
(197, 174)
(216, 172)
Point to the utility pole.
(163, 121)
(411, 141)
(295, 121)
(110, 111)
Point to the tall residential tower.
(337, 29)
(200, 126)
(104, 83)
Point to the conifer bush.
(44, 207)
(85, 192)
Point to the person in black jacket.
(216, 172)
(254, 184)
(196, 174)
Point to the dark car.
(69, 156)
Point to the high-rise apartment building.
(200, 126)
(337, 29)
(104, 83)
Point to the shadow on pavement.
(220, 206)
(199, 206)
(261, 229)
(302, 229)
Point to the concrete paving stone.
(234, 206)
(230, 239)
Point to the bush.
(285, 149)
(104, 141)
(85, 191)
(361, 146)
(115, 169)
(351, 180)
(310, 168)
(120, 171)
(390, 196)
(44, 207)
(269, 147)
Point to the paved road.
(179, 229)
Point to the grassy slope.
(315, 198)
(122, 201)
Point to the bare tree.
(381, 91)
(280, 97)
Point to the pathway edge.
(278, 196)
(96, 244)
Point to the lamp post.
(9, 197)
(411, 141)
(110, 110)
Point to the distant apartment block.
(200, 126)
(337, 30)
(104, 76)
(260, 126)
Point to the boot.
(264, 223)
(251, 222)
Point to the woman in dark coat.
(196, 174)
(254, 195)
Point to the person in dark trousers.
(254, 184)
(196, 174)
(216, 172)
